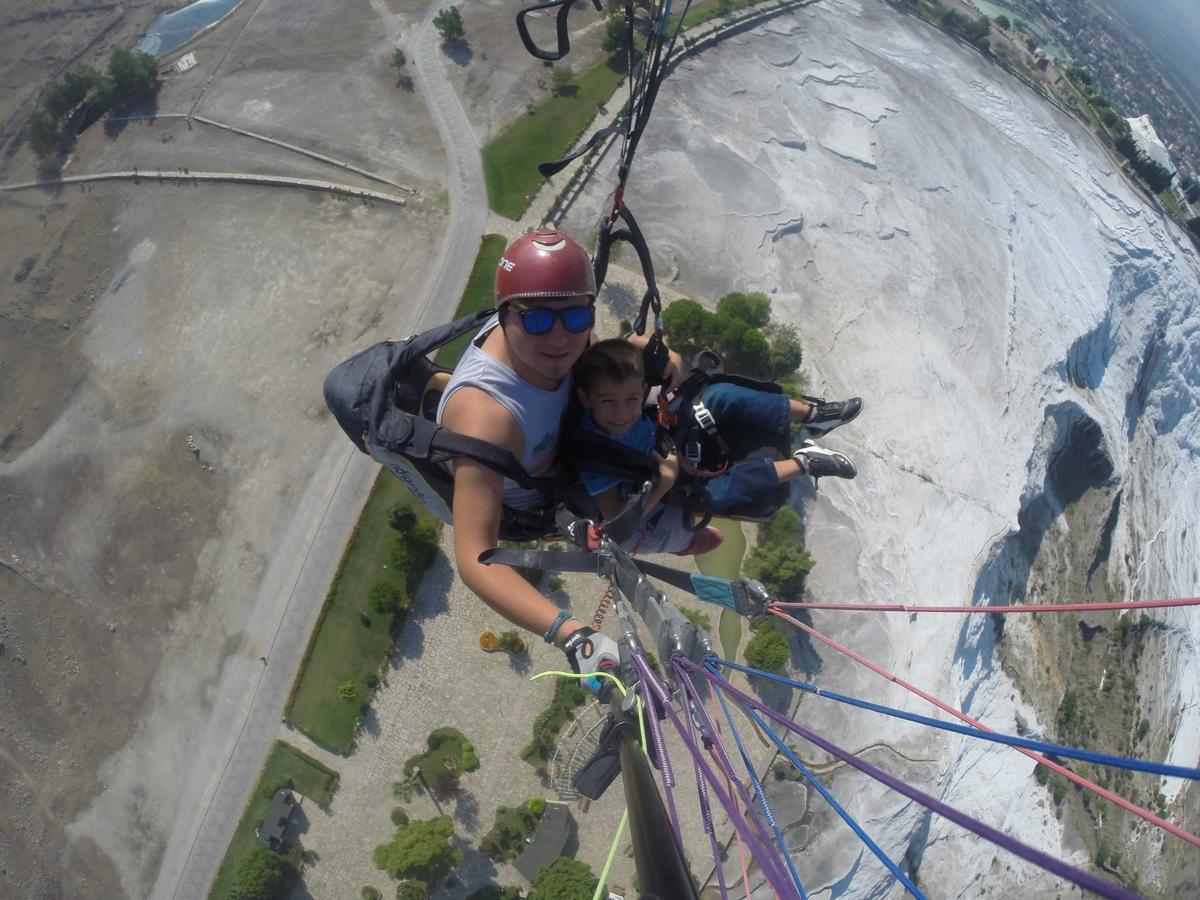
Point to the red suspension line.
(999, 610)
(958, 714)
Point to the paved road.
(239, 736)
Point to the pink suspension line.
(999, 610)
(1066, 773)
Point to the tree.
(753, 309)
(132, 77)
(1191, 189)
(398, 58)
(614, 33)
(449, 23)
(263, 875)
(768, 649)
(386, 599)
(421, 850)
(564, 879)
(781, 562)
(1194, 225)
(1003, 22)
(45, 138)
(496, 892)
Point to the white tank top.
(538, 413)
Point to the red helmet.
(544, 263)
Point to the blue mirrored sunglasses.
(540, 319)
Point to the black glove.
(590, 652)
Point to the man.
(511, 389)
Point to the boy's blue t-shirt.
(640, 438)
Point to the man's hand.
(590, 652)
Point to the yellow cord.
(612, 851)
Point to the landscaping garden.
(392, 547)
(286, 768)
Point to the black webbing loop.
(560, 25)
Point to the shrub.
(264, 875)
(510, 642)
(768, 649)
(348, 691)
(370, 893)
(399, 816)
(412, 889)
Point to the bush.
(1194, 225)
(399, 816)
(768, 648)
(495, 892)
(412, 890)
(370, 893)
(510, 642)
(348, 691)
(697, 618)
(264, 875)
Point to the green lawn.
(480, 294)
(510, 161)
(309, 778)
(350, 644)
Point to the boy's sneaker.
(704, 540)
(827, 415)
(818, 462)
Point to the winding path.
(211, 808)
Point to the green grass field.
(510, 161)
(479, 294)
(349, 643)
(311, 779)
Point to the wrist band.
(562, 616)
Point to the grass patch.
(480, 294)
(546, 133)
(285, 764)
(350, 643)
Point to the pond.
(991, 10)
(173, 29)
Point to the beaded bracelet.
(562, 616)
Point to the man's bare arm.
(478, 497)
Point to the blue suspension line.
(812, 779)
(1105, 759)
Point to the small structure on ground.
(185, 62)
(273, 831)
(558, 826)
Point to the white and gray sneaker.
(827, 415)
(818, 462)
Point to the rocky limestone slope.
(1024, 329)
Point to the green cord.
(612, 851)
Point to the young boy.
(609, 380)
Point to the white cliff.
(960, 253)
